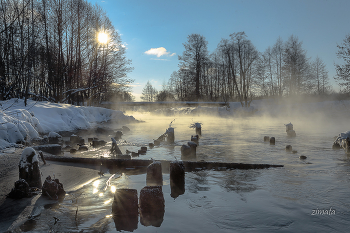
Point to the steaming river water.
(309, 195)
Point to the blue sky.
(153, 24)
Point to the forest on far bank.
(237, 71)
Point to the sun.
(102, 37)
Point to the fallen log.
(122, 164)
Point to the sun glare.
(102, 37)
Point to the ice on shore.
(19, 123)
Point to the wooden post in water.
(171, 135)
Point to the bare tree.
(295, 65)
(343, 70)
(194, 58)
(149, 93)
(247, 55)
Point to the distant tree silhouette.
(149, 93)
(343, 70)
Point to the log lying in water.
(138, 163)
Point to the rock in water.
(53, 188)
(29, 167)
(118, 135)
(20, 190)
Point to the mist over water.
(288, 199)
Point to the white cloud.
(158, 52)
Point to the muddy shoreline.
(14, 214)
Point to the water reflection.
(152, 206)
(177, 179)
(125, 209)
(198, 181)
(240, 181)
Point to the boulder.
(74, 139)
(83, 148)
(20, 190)
(98, 143)
(53, 188)
(72, 150)
(118, 135)
(54, 138)
(289, 148)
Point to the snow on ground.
(18, 122)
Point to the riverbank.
(14, 213)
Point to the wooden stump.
(170, 135)
(29, 168)
(154, 175)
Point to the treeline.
(237, 71)
(49, 50)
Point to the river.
(304, 196)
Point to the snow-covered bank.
(18, 122)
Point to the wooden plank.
(139, 163)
